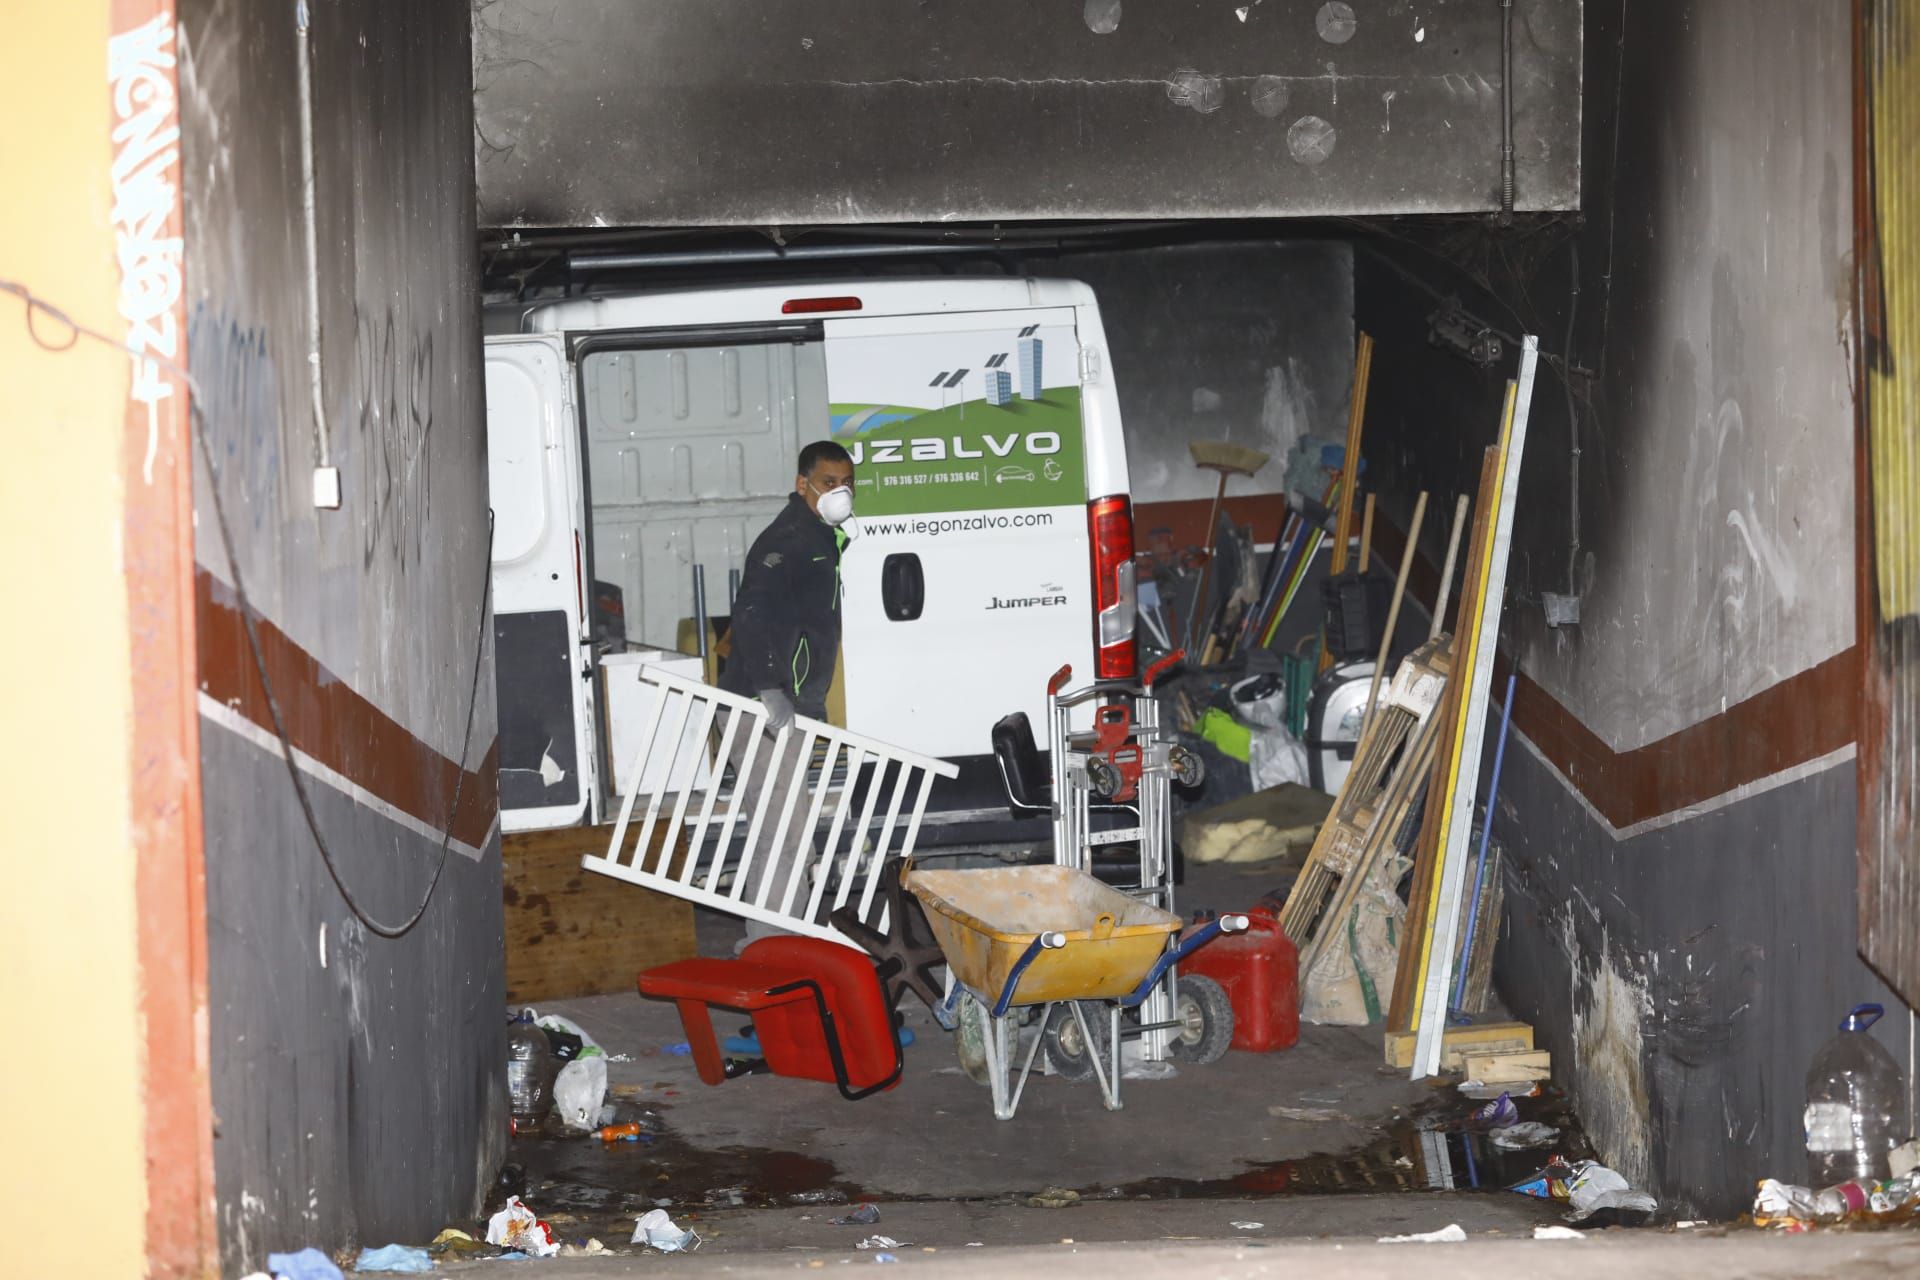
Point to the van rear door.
(968, 583)
(547, 768)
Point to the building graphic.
(999, 386)
(1032, 380)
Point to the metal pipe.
(308, 202)
(773, 253)
(700, 609)
(1506, 109)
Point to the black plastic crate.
(1356, 613)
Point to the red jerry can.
(1261, 974)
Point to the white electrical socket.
(326, 488)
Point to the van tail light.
(1110, 529)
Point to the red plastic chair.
(818, 1010)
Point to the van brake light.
(1110, 530)
(810, 306)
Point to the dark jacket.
(786, 615)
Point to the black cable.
(198, 420)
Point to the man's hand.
(779, 709)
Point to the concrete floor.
(1627, 1255)
(761, 1162)
(1195, 1172)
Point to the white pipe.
(322, 446)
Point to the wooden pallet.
(1389, 766)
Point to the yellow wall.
(71, 1073)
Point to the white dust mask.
(836, 506)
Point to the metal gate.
(705, 853)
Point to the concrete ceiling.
(758, 112)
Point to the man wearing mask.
(785, 640)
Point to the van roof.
(752, 303)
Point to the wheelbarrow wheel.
(1203, 1018)
(1071, 1054)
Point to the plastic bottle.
(530, 1071)
(1856, 1105)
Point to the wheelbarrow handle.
(1042, 942)
(1186, 946)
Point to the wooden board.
(570, 932)
(1510, 1066)
(1484, 1037)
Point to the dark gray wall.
(1687, 975)
(1249, 342)
(358, 1082)
(1683, 970)
(751, 112)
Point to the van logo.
(941, 448)
(1026, 602)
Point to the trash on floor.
(864, 1216)
(1053, 1198)
(1523, 1136)
(879, 1242)
(1498, 1114)
(1452, 1233)
(454, 1240)
(1596, 1190)
(531, 1068)
(1790, 1207)
(593, 1248)
(1548, 1183)
(395, 1258)
(308, 1264)
(516, 1227)
(657, 1230)
(580, 1090)
(1310, 1115)
(1249, 1226)
(1558, 1233)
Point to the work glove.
(779, 709)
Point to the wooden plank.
(1484, 1036)
(1419, 901)
(1475, 681)
(570, 932)
(1509, 1066)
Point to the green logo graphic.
(969, 456)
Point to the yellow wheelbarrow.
(1054, 937)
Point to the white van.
(632, 437)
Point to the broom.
(1228, 460)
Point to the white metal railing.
(691, 733)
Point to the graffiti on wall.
(146, 153)
(394, 388)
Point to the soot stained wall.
(357, 1081)
(751, 112)
(1683, 931)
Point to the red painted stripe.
(330, 721)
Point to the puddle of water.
(1426, 1153)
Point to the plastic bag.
(516, 1227)
(1274, 755)
(1346, 985)
(580, 1090)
